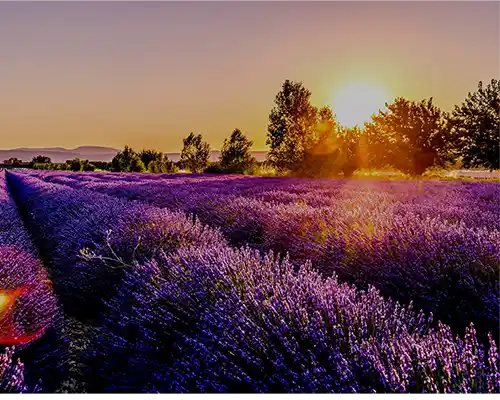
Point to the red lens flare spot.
(9, 333)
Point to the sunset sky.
(147, 74)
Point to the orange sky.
(147, 74)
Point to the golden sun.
(355, 103)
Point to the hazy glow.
(354, 103)
(149, 73)
(4, 301)
(9, 332)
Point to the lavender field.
(227, 283)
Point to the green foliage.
(41, 160)
(476, 127)
(101, 165)
(40, 166)
(319, 165)
(127, 161)
(149, 155)
(263, 169)
(88, 167)
(410, 135)
(195, 153)
(162, 165)
(75, 164)
(51, 166)
(215, 168)
(350, 154)
(324, 135)
(292, 123)
(308, 141)
(236, 156)
(332, 150)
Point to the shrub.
(33, 322)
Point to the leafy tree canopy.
(41, 160)
(236, 155)
(291, 127)
(476, 127)
(127, 161)
(148, 155)
(195, 153)
(408, 135)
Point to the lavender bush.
(72, 226)
(434, 243)
(35, 317)
(11, 373)
(223, 320)
(188, 313)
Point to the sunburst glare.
(355, 103)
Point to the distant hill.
(60, 155)
(92, 153)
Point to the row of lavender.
(436, 244)
(28, 309)
(177, 309)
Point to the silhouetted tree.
(476, 127)
(349, 157)
(332, 150)
(291, 126)
(87, 166)
(103, 165)
(75, 164)
(127, 161)
(15, 162)
(321, 149)
(215, 168)
(148, 155)
(236, 156)
(410, 135)
(378, 143)
(195, 153)
(325, 133)
(41, 160)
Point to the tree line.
(235, 157)
(305, 140)
(408, 135)
(44, 162)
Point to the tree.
(102, 165)
(75, 164)
(149, 155)
(291, 126)
(162, 165)
(41, 160)
(236, 156)
(13, 161)
(195, 153)
(349, 159)
(332, 150)
(321, 148)
(127, 161)
(410, 135)
(378, 144)
(325, 134)
(476, 127)
(87, 166)
(214, 168)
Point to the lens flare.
(9, 332)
